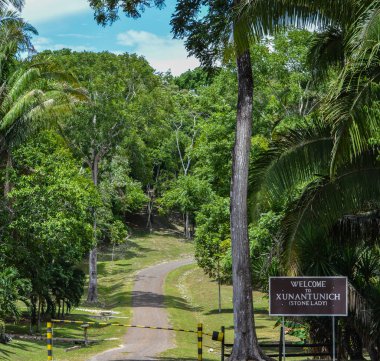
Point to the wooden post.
(223, 341)
(85, 327)
(283, 338)
(200, 336)
(49, 339)
(333, 339)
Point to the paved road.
(148, 309)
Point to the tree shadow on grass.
(144, 299)
(127, 250)
(256, 327)
(260, 311)
(12, 347)
(6, 353)
(257, 311)
(151, 299)
(216, 311)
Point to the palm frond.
(18, 4)
(325, 201)
(326, 50)
(364, 43)
(19, 108)
(15, 34)
(292, 160)
(352, 106)
(366, 312)
(352, 228)
(19, 82)
(354, 113)
(257, 18)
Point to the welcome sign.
(308, 296)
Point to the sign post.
(308, 296)
(333, 337)
(283, 338)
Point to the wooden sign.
(308, 296)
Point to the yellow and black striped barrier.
(199, 332)
(122, 325)
(49, 341)
(219, 336)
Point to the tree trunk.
(39, 315)
(245, 341)
(149, 223)
(92, 295)
(33, 310)
(187, 226)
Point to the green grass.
(200, 297)
(115, 284)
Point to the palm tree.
(15, 38)
(360, 263)
(327, 221)
(31, 95)
(16, 33)
(331, 169)
(253, 20)
(18, 4)
(257, 18)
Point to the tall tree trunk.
(245, 341)
(187, 227)
(150, 192)
(39, 315)
(33, 317)
(92, 295)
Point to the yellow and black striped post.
(49, 341)
(200, 333)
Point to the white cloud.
(43, 10)
(78, 36)
(163, 53)
(41, 43)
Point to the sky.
(71, 24)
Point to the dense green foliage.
(86, 148)
(49, 228)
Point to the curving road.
(148, 309)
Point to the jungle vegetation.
(87, 140)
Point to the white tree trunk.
(187, 230)
(92, 296)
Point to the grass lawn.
(115, 284)
(200, 295)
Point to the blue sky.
(70, 24)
